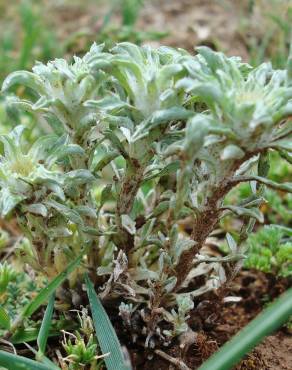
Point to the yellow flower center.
(23, 166)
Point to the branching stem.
(129, 188)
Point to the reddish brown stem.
(206, 220)
(129, 189)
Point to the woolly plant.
(144, 141)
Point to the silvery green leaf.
(221, 273)
(139, 274)
(42, 103)
(59, 232)
(212, 139)
(86, 211)
(102, 158)
(287, 156)
(171, 114)
(231, 243)
(56, 189)
(225, 131)
(129, 65)
(185, 303)
(42, 176)
(169, 284)
(282, 144)
(247, 165)
(37, 208)
(8, 201)
(253, 186)
(161, 207)
(250, 212)
(92, 231)
(69, 213)
(147, 230)
(161, 261)
(182, 245)
(128, 224)
(286, 186)
(129, 49)
(202, 290)
(232, 152)
(70, 149)
(54, 122)
(168, 169)
(127, 133)
(116, 143)
(196, 130)
(119, 121)
(208, 92)
(42, 146)
(16, 103)
(104, 270)
(79, 177)
(12, 142)
(168, 317)
(159, 117)
(25, 78)
(213, 59)
(108, 104)
(187, 84)
(168, 72)
(201, 269)
(167, 95)
(62, 149)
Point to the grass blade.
(45, 293)
(53, 285)
(29, 335)
(106, 335)
(46, 325)
(4, 319)
(265, 323)
(15, 362)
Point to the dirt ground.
(227, 25)
(193, 22)
(225, 320)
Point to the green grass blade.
(46, 325)
(15, 362)
(265, 323)
(29, 335)
(53, 285)
(45, 293)
(106, 335)
(4, 319)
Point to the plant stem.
(205, 223)
(207, 219)
(126, 198)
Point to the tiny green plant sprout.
(141, 142)
(81, 348)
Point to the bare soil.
(214, 323)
